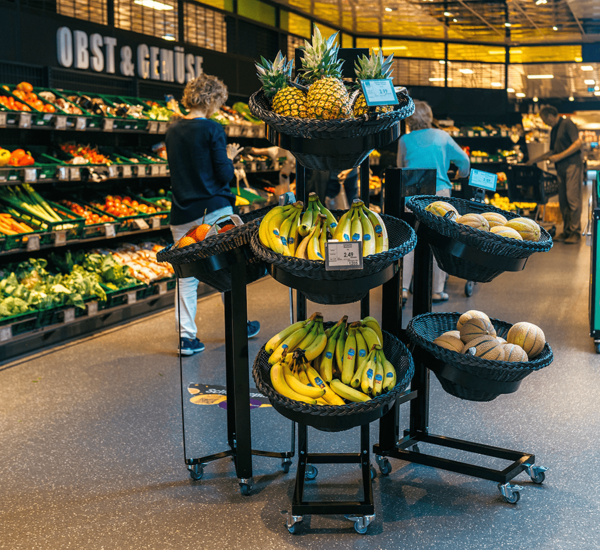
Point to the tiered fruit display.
(289, 231)
(344, 363)
(24, 91)
(63, 104)
(83, 211)
(374, 67)
(88, 154)
(505, 204)
(476, 335)
(18, 158)
(26, 198)
(523, 229)
(117, 206)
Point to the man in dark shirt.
(565, 153)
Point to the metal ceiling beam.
(483, 20)
(576, 20)
(518, 4)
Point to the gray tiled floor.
(91, 455)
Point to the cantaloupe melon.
(500, 339)
(471, 314)
(507, 232)
(474, 220)
(455, 333)
(494, 219)
(486, 347)
(476, 327)
(528, 229)
(450, 342)
(529, 336)
(514, 353)
(441, 208)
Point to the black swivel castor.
(469, 288)
(285, 465)
(196, 471)
(311, 472)
(385, 467)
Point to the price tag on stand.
(155, 222)
(60, 238)
(80, 123)
(342, 256)
(30, 175)
(5, 334)
(140, 224)
(483, 180)
(108, 125)
(74, 174)
(69, 315)
(109, 230)
(140, 170)
(154, 170)
(62, 173)
(162, 169)
(379, 92)
(112, 171)
(2, 120)
(25, 120)
(92, 309)
(60, 122)
(153, 127)
(33, 243)
(162, 288)
(131, 297)
(162, 127)
(126, 171)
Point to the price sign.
(162, 127)
(109, 230)
(60, 123)
(483, 133)
(3, 176)
(33, 243)
(483, 180)
(74, 174)
(69, 315)
(2, 120)
(126, 171)
(379, 92)
(30, 174)
(5, 333)
(140, 224)
(92, 308)
(154, 170)
(80, 123)
(112, 171)
(153, 127)
(127, 126)
(155, 222)
(140, 170)
(107, 125)
(340, 256)
(60, 238)
(503, 133)
(162, 169)
(131, 297)
(162, 288)
(25, 120)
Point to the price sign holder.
(109, 230)
(107, 125)
(25, 120)
(74, 174)
(92, 309)
(483, 180)
(69, 315)
(155, 222)
(5, 333)
(60, 122)
(62, 173)
(2, 120)
(379, 92)
(60, 238)
(80, 123)
(140, 170)
(343, 256)
(154, 170)
(112, 171)
(162, 169)
(33, 243)
(126, 171)
(162, 288)
(131, 297)
(162, 127)
(30, 175)
(140, 224)
(152, 127)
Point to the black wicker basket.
(464, 375)
(331, 144)
(320, 286)
(329, 418)
(209, 260)
(469, 253)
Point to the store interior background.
(90, 429)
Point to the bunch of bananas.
(329, 367)
(289, 231)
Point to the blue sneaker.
(253, 328)
(190, 346)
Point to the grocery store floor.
(91, 454)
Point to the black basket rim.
(316, 268)
(470, 235)
(330, 129)
(348, 409)
(469, 362)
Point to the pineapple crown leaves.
(320, 58)
(275, 75)
(374, 67)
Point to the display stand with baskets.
(462, 252)
(226, 263)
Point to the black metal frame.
(389, 443)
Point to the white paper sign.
(30, 174)
(2, 119)
(25, 120)
(62, 173)
(162, 127)
(33, 243)
(153, 127)
(5, 333)
(60, 238)
(154, 170)
(140, 224)
(112, 171)
(131, 297)
(80, 123)
(126, 171)
(92, 308)
(155, 222)
(74, 174)
(109, 230)
(162, 288)
(60, 123)
(69, 315)
(107, 125)
(343, 255)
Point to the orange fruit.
(226, 228)
(185, 241)
(201, 231)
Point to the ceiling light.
(510, 90)
(596, 93)
(539, 76)
(442, 62)
(555, 28)
(447, 14)
(389, 9)
(516, 51)
(535, 99)
(596, 88)
(578, 59)
(520, 94)
(169, 37)
(496, 52)
(466, 71)
(437, 79)
(496, 85)
(540, 2)
(589, 82)
(587, 68)
(455, 20)
(160, 6)
(507, 24)
(571, 98)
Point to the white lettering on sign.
(166, 65)
(127, 67)
(110, 44)
(143, 63)
(199, 60)
(64, 44)
(96, 43)
(190, 74)
(154, 72)
(179, 65)
(82, 56)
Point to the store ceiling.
(508, 21)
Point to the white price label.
(155, 222)
(107, 125)
(127, 126)
(74, 174)
(3, 175)
(162, 169)
(69, 315)
(30, 174)
(140, 224)
(61, 122)
(109, 230)
(154, 170)
(60, 238)
(112, 171)
(483, 180)
(140, 170)
(80, 123)
(503, 133)
(343, 255)
(33, 243)
(92, 308)
(126, 171)
(379, 92)
(2, 119)
(470, 133)
(25, 120)
(483, 133)
(62, 173)
(153, 127)
(162, 127)
(5, 333)
(162, 288)
(131, 297)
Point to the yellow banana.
(331, 397)
(327, 360)
(278, 339)
(316, 348)
(372, 323)
(361, 349)
(356, 227)
(344, 227)
(323, 236)
(313, 250)
(368, 233)
(389, 373)
(347, 392)
(281, 386)
(349, 356)
(294, 235)
(321, 401)
(339, 348)
(355, 382)
(303, 378)
(302, 389)
(264, 224)
(290, 343)
(331, 221)
(378, 227)
(274, 235)
(386, 241)
(284, 231)
(301, 251)
(366, 382)
(308, 218)
(287, 355)
(370, 336)
(378, 380)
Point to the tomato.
(25, 86)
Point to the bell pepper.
(4, 157)
(26, 160)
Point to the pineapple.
(285, 99)
(371, 68)
(327, 97)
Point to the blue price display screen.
(484, 180)
(379, 92)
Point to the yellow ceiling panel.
(299, 25)
(371, 43)
(327, 12)
(540, 54)
(475, 52)
(413, 48)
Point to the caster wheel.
(385, 467)
(360, 530)
(415, 448)
(510, 493)
(293, 529)
(373, 472)
(597, 346)
(539, 478)
(285, 464)
(537, 474)
(469, 289)
(196, 472)
(245, 489)
(311, 472)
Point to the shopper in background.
(350, 180)
(565, 153)
(201, 168)
(427, 147)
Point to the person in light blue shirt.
(428, 147)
